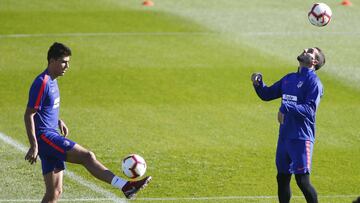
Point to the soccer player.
(42, 124)
(300, 93)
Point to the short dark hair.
(58, 50)
(320, 57)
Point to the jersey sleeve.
(269, 93)
(37, 92)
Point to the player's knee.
(302, 180)
(283, 179)
(58, 193)
(54, 194)
(90, 156)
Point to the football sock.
(303, 181)
(284, 191)
(118, 182)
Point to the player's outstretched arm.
(32, 153)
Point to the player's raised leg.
(80, 155)
(53, 183)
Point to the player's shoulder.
(42, 78)
(314, 80)
(314, 77)
(289, 76)
(292, 74)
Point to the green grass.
(184, 102)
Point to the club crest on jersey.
(300, 84)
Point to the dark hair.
(320, 57)
(58, 50)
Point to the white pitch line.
(105, 34)
(70, 174)
(260, 33)
(61, 200)
(183, 198)
(242, 197)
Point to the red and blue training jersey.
(300, 93)
(45, 98)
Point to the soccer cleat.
(132, 187)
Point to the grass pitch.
(171, 82)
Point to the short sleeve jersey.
(44, 96)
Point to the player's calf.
(284, 191)
(303, 181)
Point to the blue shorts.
(294, 156)
(52, 151)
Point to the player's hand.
(63, 128)
(281, 117)
(256, 78)
(32, 155)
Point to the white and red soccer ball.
(133, 166)
(320, 14)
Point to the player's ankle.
(118, 182)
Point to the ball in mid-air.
(320, 14)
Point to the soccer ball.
(133, 166)
(320, 14)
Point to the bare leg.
(80, 155)
(53, 183)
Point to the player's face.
(308, 57)
(61, 65)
